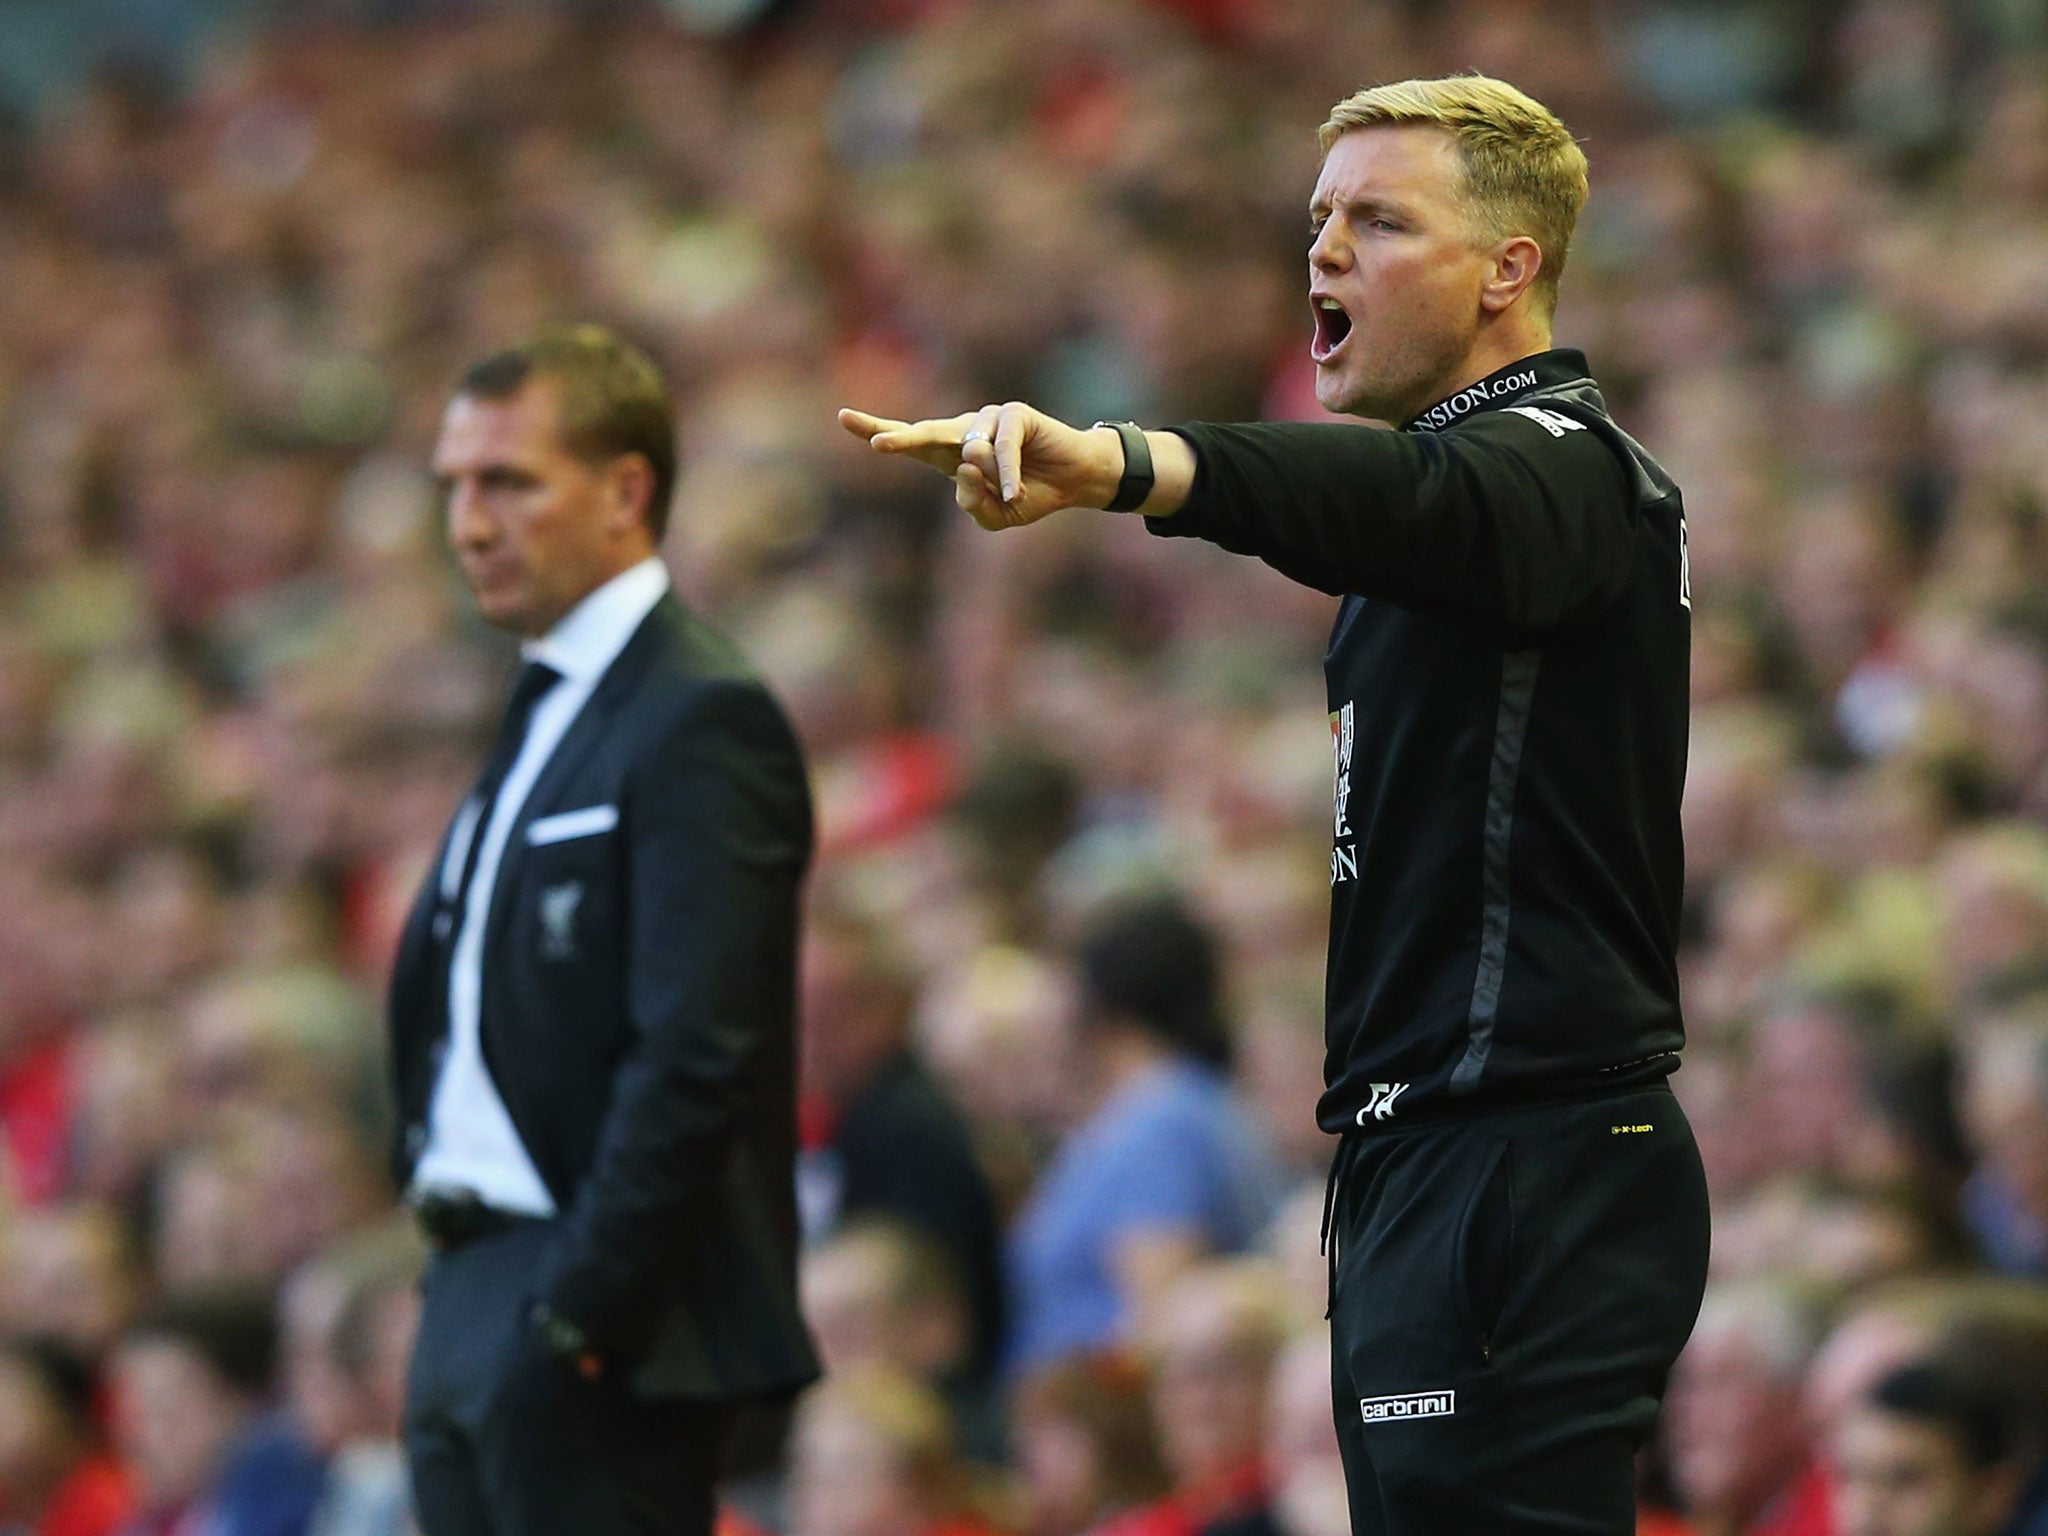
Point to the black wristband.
(1136, 483)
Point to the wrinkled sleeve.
(1502, 521)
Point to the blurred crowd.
(1063, 978)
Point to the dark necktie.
(535, 679)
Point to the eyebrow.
(1371, 205)
(490, 468)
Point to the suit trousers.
(1509, 1293)
(506, 1439)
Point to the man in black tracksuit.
(1518, 1212)
(1518, 1217)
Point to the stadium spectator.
(1083, 1444)
(995, 1023)
(1305, 1474)
(1931, 1450)
(56, 1477)
(1888, 1328)
(348, 1317)
(1211, 1341)
(123, 1126)
(70, 1271)
(873, 1455)
(2004, 1091)
(1279, 1058)
(1998, 1334)
(880, 1293)
(193, 1419)
(1992, 890)
(880, 1137)
(1741, 1453)
(1167, 1166)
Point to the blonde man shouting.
(1518, 1222)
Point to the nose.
(469, 523)
(1327, 253)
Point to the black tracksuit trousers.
(1509, 1290)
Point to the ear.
(629, 494)
(1516, 261)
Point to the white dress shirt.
(471, 1142)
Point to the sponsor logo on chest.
(1344, 851)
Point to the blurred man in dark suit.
(592, 1005)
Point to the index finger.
(920, 437)
(861, 424)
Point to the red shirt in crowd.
(1186, 1511)
(35, 1120)
(94, 1500)
(730, 1524)
(1804, 1509)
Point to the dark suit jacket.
(637, 1017)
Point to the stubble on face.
(1396, 248)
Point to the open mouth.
(1333, 325)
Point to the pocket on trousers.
(1485, 1249)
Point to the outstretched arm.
(1011, 465)
(1509, 521)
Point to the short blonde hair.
(1524, 172)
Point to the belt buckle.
(451, 1217)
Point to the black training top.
(1508, 690)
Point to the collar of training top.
(1504, 386)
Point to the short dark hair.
(1974, 1410)
(61, 1374)
(612, 398)
(1150, 962)
(229, 1326)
